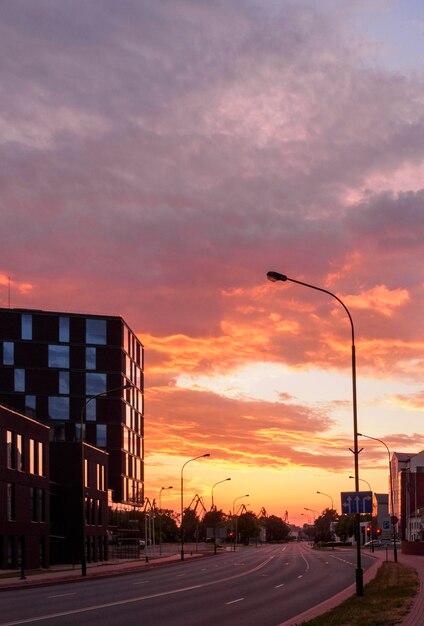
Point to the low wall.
(413, 547)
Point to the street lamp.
(160, 518)
(202, 456)
(82, 498)
(212, 508)
(213, 487)
(362, 480)
(326, 494)
(274, 277)
(234, 515)
(392, 518)
(312, 511)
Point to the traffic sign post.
(356, 502)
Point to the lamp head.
(275, 276)
(360, 434)
(207, 454)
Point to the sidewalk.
(414, 618)
(65, 573)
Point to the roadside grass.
(386, 600)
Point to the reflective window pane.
(8, 353)
(101, 435)
(90, 358)
(58, 408)
(59, 356)
(64, 329)
(95, 383)
(95, 331)
(26, 326)
(63, 382)
(19, 380)
(91, 411)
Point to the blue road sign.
(356, 502)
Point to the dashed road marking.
(62, 595)
(234, 601)
(278, 586)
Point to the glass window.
(30, 405)
(8, 353)
(64, 329)
(10, 461)
(95, 383)
(10, 501)
(41, 505)
(58, 408)
(26, 326)
(19, 380)
(31, 456)
(101, 435)
(59, 356)
(91, 411)
(19, 452)
(40, 458)
(63, 382)
(95, 331)
(33, 503)
(90, 358)
(78, 432)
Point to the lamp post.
(326, 494)
(392, 517)
(274, 277)
(82, 494)
(362, 480)
(312, 511)
(234, 515)
(201, 456)
(212, 508)
(160, 518)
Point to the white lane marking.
(234, 601)
(178, 575)
(285, 548)
(301, 576)
(107, 605)
(307, 564)
(278, 586)
(61, 595)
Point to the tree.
(169, 529)
(191, 524)
(247, 526)
(345, 527)
(276, 528)
(324, 524)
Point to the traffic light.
(378, 531)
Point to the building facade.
(24, 492)
(408, 488)
(78, 374)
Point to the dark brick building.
(24, 491)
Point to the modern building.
(76, 372)
(24, 491)
(408, 487)
(383, 527)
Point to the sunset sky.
(158, 157)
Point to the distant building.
(381, 515)
(24, 491)
(408, 487)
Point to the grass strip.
(386, 600)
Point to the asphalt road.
(250, 587)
